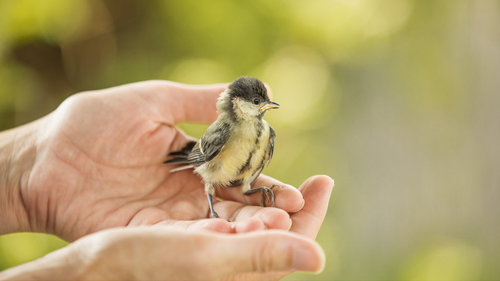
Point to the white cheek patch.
(244, 109)
(223, 98)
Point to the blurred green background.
(397, 100)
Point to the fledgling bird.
(236, 147)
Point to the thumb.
(269, 251)
(179, 103)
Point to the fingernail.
(291, 223)
(306, 259)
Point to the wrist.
(18, 148)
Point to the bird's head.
(245, 98)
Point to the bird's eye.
(256, 101)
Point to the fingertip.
(301, 206)
(249, 225)
(309, 258)
(288, 198)
(275, 218)
(323, 181)
(327, 180)
(290, 225)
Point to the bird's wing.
(210, 145)
(267, 156)
(270, 147)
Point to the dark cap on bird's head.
(248, 88)
(245, 97)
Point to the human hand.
(193, 255)
(98, 165)
(175, 251)
(168, 253)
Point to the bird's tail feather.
(180, 160)
(180, 157)
(179, 154)
(181, 168)
(184, 152)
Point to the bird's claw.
(266, 193)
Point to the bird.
(235, 148)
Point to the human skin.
(94, 164)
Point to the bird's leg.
(209, 190)
(213, 214)
(266, 193)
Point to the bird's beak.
(269, 105)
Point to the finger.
(240, 221)
(248, 225)
(269, 91)
(241, 218)
(262, 252)
(316, 191)
(286, 197)
(179, 103)
(251, 218)
(216, 225)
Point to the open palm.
(98, 166)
